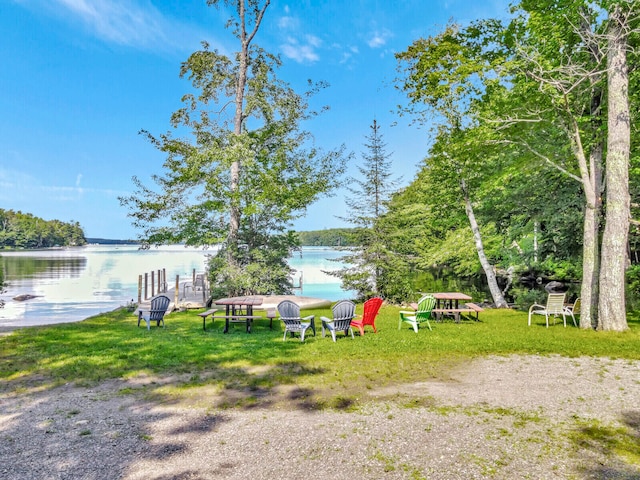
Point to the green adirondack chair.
(425, 305)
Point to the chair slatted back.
(425, 305)
(159, 307)
(290, 314)
(555, 303)
(576, 307)
(343, 313)
(371, 308)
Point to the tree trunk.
(590, 251)
(234, 214)
(241, 85)
(498, 298)
(612, 308)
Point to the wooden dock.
(185, 293)
(193, 293)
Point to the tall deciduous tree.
(557, 68)
(246, 171)
(441, 74)
(612, 313)
(575, 52)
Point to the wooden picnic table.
(448, 303)
(234, 307)
(449, 299)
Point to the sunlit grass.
(112, 346)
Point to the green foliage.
(330, 237)
(519, 114)
(633, 287)
(558, 269)
(261, 266)
(373, 268)
(237, 180)
(524, 297)
(457, 251)
(23, 230)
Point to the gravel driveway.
(519, 417)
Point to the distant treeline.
(110, 241)
(333, 237)
(23, 230)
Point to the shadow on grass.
(618, 446)
(241, 370)
(130, 378)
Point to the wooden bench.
(204, 316)
(475, 308)
(468, 308)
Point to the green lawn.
(112, 346)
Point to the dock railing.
(155, 282)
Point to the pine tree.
(372, 269)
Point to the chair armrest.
(535, 305)
(406, 312)
(310, 317)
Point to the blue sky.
(81, 78)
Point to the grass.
(245, 366)
(240, 370)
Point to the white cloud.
(300, 53)
(288, 23)
(379, 38)
(120, 21)
(16, 187)
(133, 23)
(314, 41)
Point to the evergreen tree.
(372, 268)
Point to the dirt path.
(497, 418)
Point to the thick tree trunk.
(590, 249)
(496, 293)
(612, 311)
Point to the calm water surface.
(75, 283)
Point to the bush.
(633, 288)
(525, 297)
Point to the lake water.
(72, 284)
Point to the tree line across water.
(20, 230)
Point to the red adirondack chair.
(368, 317)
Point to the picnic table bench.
(466, 308)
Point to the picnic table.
(448, 303)
(237, 309)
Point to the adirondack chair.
(369, 314)
(343, 313)
(156, 312)
(421, 315)
(554, 307)
(293, 323)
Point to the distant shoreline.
(108, 241)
